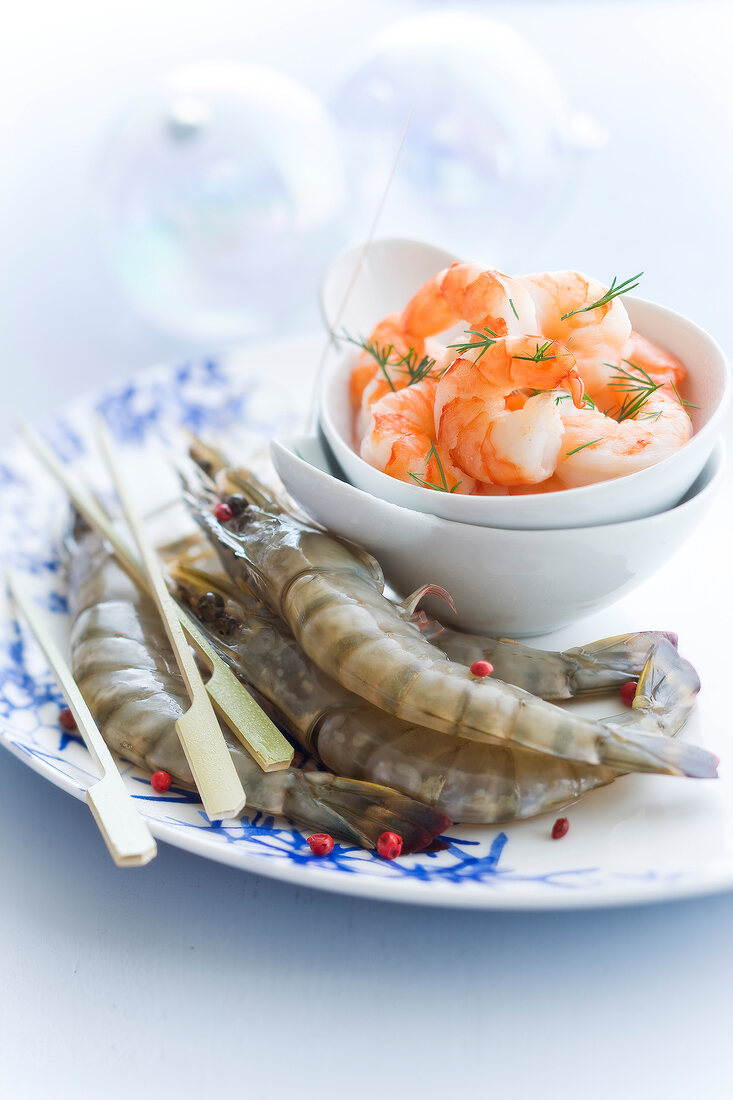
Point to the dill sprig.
(638, 387)
(381, 355)
(613, 292)
(409, 363)
(582, 447)
(418, 369)
(514, 309)
(443, 487)
(588, 402)
(684, 404)
(484, 340)
(539, 354)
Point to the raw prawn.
(583, 670)
(467, 780)
(485, 439)
(123, 663)
(330, 594)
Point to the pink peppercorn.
(223, 512)
(560, 828)
(160, 782)
(628, 691)
(482, 668)
(389, 845)
(321, 844)
(67, 720)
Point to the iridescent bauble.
(222, 196)
(490, 145)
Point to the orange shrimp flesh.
(485, 439)
(401, 440)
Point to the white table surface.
(187, 978)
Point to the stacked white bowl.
(514, 565)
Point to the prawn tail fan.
(360, 812)
(627, 749)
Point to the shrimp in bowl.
(540, 385)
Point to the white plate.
(644, 839)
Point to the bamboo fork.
(199, 731)
(126, 835)
(246, 719)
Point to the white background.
(186, 978)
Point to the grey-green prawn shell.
(332, 600)
(582, 670)
(469, 781)
(122, 661)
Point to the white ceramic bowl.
(508, 582)
(644, 493)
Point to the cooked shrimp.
(659, 363)
(123, 663)
(596, 447)
(400, 440)
(566, 311)
(481, 297)
(640, 357)
(331, 596)
(480, 435)
(389, 338)
(596, 336)
(467, 780)
(463, 292)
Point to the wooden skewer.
(126, 835)
(246, 719)
(203, 743)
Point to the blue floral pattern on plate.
(214, 396)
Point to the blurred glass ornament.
(491, 146)
(222, 197)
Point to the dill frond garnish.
(636, 384)
(684, 404)
(381, 355)
(416, 367)
(582, 447)
(613, 292)
(539, 355)
(484, 340)
(443, 487)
